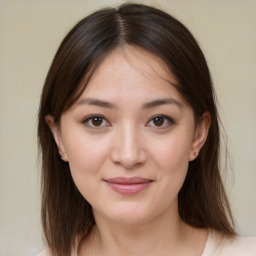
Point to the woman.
(129, 134)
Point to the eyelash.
(167, 121)
(89, 119)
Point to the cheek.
(172, 158)
(173, 152)
(86, 157)
(85, 153)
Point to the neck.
(138, 239)
(163, 235)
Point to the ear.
(55, 129)
(200, 135)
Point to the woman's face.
(129, 138)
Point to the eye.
(96, 121)
(160, 121)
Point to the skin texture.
(128, 137)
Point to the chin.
(128, 214)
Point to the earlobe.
(54, 127)
(200, 135)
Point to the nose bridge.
(129, 150)
(130, 143)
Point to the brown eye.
(96, 121)
(158, 121)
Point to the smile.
(128, 186)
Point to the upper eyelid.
(89, 117)
(163, 116)
(168, 118)
(94, 115)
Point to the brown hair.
(202, 199)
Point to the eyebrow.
(159, 102)
(148, 105)
(97, 102)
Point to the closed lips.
(127, 181)
(128, 186)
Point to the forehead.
(131, 59)
(131, 72)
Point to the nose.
(128, 148)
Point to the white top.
(217, 245)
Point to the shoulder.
(47, 252)
(239, 245)
(44, 253)
(225, 246)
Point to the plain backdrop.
(30, 32)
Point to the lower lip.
(128, 189)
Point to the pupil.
(158, 121)
(97, 121)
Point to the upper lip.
(132, 180)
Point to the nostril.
(127, 147)
(128, 161)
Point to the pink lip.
(128, 186)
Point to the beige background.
(30, 32)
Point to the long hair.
(202, 201)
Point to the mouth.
(128, 186)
